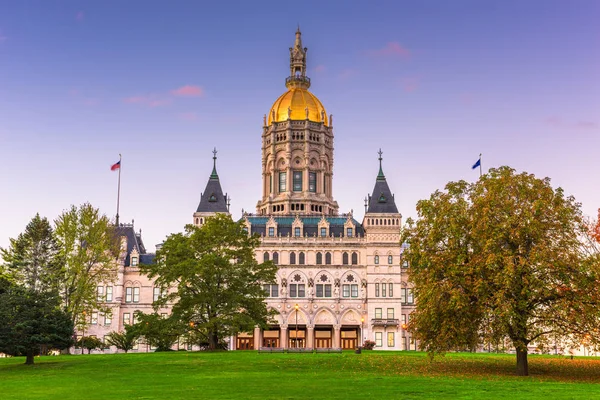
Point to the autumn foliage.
(502, 260)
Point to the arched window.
(265, 256)
(292, 258)
(196, 221)
(345, 258)
(301, 259)
(354, 258)
(376, 258)
(390, 260)
(275, 258)
(328, 258)
(319, 258)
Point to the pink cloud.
(188, 116)
(411, 84)
(320, 68)
(188, 91)
(466, 98)
(557, 122)
(149, 101)
(586, 125)
(392, 49)
(347, 74)
(2, 37)
(79, 16)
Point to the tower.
(382, 220)
(297, 148)
(212, 200)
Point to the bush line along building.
(339, 281)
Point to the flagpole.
(479, 169)
(119, 189)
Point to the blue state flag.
(477, 164)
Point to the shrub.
(368, 345)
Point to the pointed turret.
(382, 199)
(212, 200)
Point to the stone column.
(257, 338)
(283, 337)
(310, 336)
(336, 336)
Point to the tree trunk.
(29, 359)
(522, 366)
(213, 340)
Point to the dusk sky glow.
(431, 83)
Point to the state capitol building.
(339, 281)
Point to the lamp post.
(362, 330)
(296, 341)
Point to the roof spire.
(214, 171)
(380, 176)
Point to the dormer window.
(382, 198)
(134, 261)
(212, 198)
(271, 231)
(297, 232)
(349, 232)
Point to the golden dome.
(298, 99)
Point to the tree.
(595, 229)
(32, 258)
(501, 258)
(123, 340)
(217, 280)
(32, 319)
(159, 331)
(88, 248)
(90, 343)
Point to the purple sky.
(433, 83)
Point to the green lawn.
(248, 375)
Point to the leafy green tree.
(160, 332)
(90, 343)
(32, 258)
(123, 340)
(88, 248)
(217, 280)
(30, 320)
(502, 258)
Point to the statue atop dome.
(298, 78)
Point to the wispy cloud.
(410, 84)
(83, 98)
(149, 101)
(2, 37)
(392, 49)
(188, 116)
(320, 68)
(79, 16)
(188, 91)
(557, 122)
(347, 74)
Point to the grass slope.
(248, 375)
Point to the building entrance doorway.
(245, 341)
(271, 338)
(349, 338)
(323, 338)
(297, 341)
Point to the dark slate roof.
(258, 225)
(213, 199)
(382, 199)
(134, 241)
